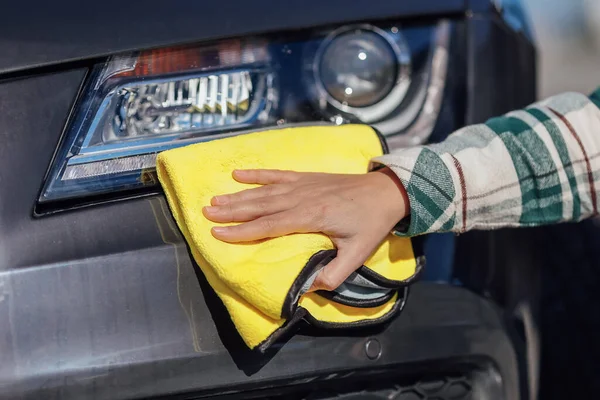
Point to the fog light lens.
(358, 68)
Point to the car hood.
(33, 35)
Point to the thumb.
(339, 269)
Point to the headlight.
(136, 105)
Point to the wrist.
(393, 193)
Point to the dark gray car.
(99, 297)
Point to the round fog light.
(358, 68)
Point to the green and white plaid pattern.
(530, 167)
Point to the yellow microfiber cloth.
(264, 284)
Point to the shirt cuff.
(430, 189)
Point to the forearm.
(531, 167)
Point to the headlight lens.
(358, 68)
(362, 72)
(137, 105)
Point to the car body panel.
(66, 30)
(101, 332)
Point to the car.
(99, 297)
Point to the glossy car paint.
(105, 303)
(64, 30)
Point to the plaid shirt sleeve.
(536, 166)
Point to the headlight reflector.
(187, 104)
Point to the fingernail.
(210, 209)
(217, 200)
(219, 229)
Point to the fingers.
(274, 181)
(250, 194)
(243, 211)
(270, 226)
(265, 176)
(339, 269)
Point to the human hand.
(356, 212)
